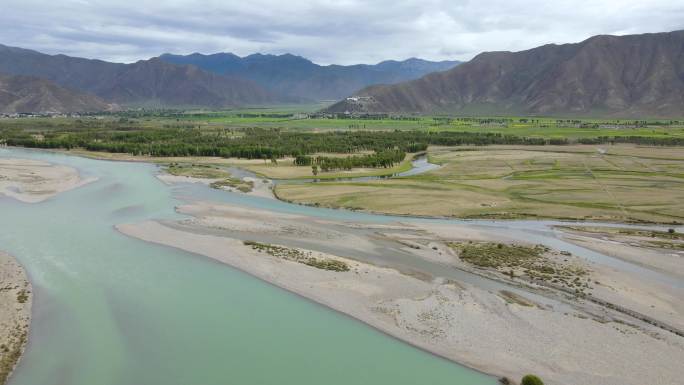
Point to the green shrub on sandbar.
(531, 379)
(299, 256)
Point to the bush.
(531, 379)
(671, 231)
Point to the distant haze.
(327, 32)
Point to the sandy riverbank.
(34, 181)
(261, 187)
(395, 285)
(663, 253)
(15, 313)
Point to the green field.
(622, 183)
(304, 118)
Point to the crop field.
(614, 183)
(305, 118)
(518, 126)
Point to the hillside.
(152, 83)
(627, 76)
(23, 94)
(156, 83)
(300, 78)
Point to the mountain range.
(626, 76)
(169, 82)
(622, 76)
(148, 83)
(299, 78)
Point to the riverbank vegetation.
(193, 170)
(531, 379)
(11, 350)
(528, 262)
(299, 256)
(381, 159)
(233, 183)
(287, 169)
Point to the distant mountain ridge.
(25, 94)
(298, 77)
(214, 81)
(629, 76)
(149, 83)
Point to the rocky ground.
(15, 313)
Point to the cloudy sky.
(326, 31)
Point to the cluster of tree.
(248, 143)
(439, 120)
(384, 159)
(261, 143)
(642, 140)
(356, 126)
(486, 120)
(265, 115)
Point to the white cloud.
(326, 31)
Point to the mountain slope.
(23, 94)
(156, 83)
(631, 76)
(145, 83)
(298, 77)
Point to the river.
(109, 309)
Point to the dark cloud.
(326, 31)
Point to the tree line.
(265, 143)
(252, 143)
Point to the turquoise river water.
(109, 309)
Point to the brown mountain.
(630, 76)
(152, 83)
(25, 94)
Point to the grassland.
(622, 183)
